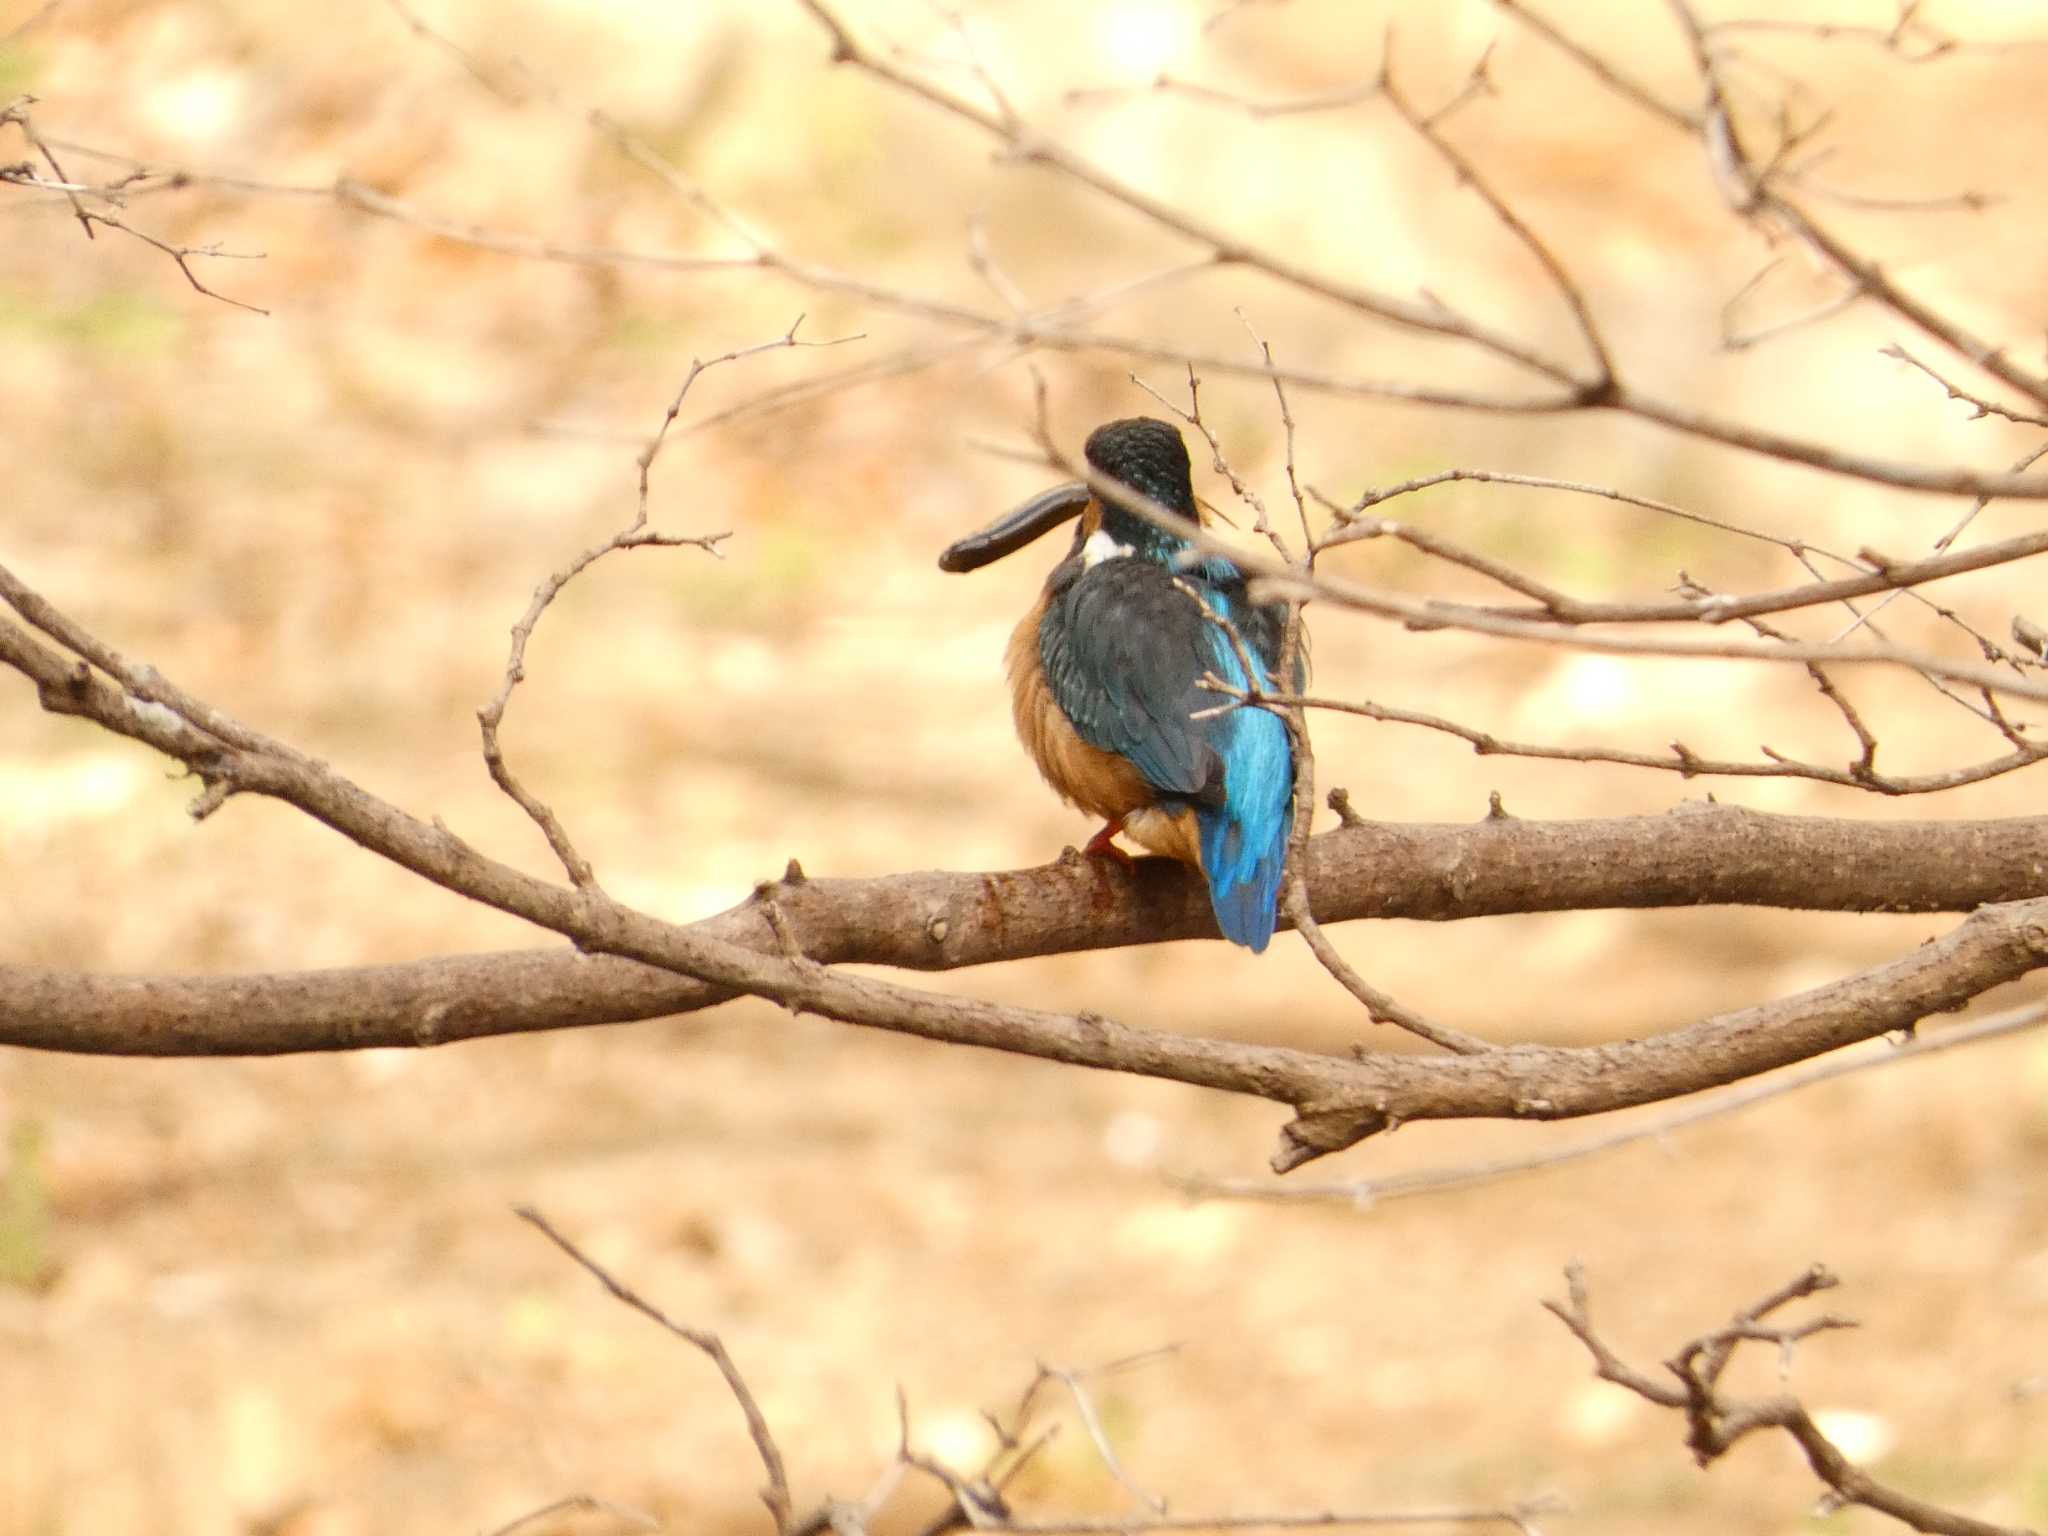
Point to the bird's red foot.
(1103, 844)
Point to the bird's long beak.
(1016, 528)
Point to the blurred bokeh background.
(288, 1296)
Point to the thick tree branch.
(1337, 1101)
(1699, 855)
(1367, 1193)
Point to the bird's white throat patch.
(1099, 547)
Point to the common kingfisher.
(1105, 678)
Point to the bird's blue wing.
(1124, 648)
(1244, 840)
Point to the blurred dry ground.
(289, 1296)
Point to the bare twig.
(776, 1494)
(1751, 189)
(1593, 390)
(577, 1503)
(1519, 1517)
(182, 254)
(1379, 1006)
(1294, 490)
(1979, 406)
(1879, 574)
(1225, 247)
(636, 535)
(1218, 459)
(1737, 339)
(2025, 461)
(1568, 392)
(1091, 1421)
(1716, 1422)
(1680, 759)
(1911, 38)
(492, 715)
(1277, 580)
(698, 367)
(1172, 85)
(16, 112)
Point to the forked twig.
(1717, 1421)
(635, 535)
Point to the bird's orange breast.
(1098, 782)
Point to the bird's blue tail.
(1243, 871)
(1244, 840)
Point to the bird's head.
(1148, 456)
(1144, 454)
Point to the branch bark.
(935, 920)
(1338, 1102)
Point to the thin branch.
(636, 535)
(1053, 331)
(1553, 603)
(1910, 39)
(1751, 191)
(1031, 148)
(576, 1503)
(1218, 459)
(1518, 1517)
(1594, 64)
(1091, 1421)
(1430, 615)
(1715, 1422)
(977, 1501)
(361, 198)
(1171, 85)
(16, 112)
(1697, 603)
(492, 715)
(181, 255)
(1220, 249)
(1967, 201)
(2025, 461)
(1879, 573)
(1380, 1007)
(1567, 287)
(699, 367)
(776, 1494)
(1294, 490)
(1734, 339)
(1682, 760)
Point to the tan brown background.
(289, 1295)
